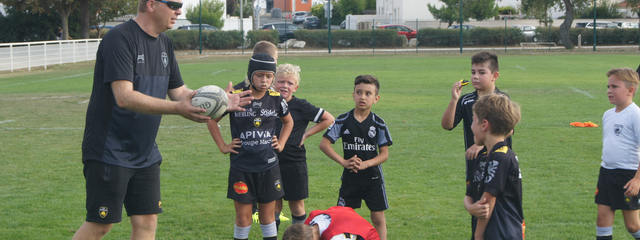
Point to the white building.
(410, 10)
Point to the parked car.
(599, 25)
(205, 27)
(402, 30)
(298, 17)
(626, 24)
(529, 32)
(343, 24)
(285, 30)
(465, 27)
(311, 22)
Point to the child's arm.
(217, 137)
(450, 114)
(633, 186)
(479, 209)
(382, 157)
(287, 126)
(325, 146)
(482, 222)
(325, 122)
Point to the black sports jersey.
(116, 135)
(255, 127)
(464, 111)
(302, 113)
(362, 139)
(241, 85)
(498, 173)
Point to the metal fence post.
(373, 34)
(74, 51)
(506, 36)
(45, 55)
(60, 52)
(11, 54)
(29, 54)
(417, 35)
(86, 48)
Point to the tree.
(231, 7)
(603, 10)
(370, 5)
(25, 25)
(569, 6)
(477, 9)
(62, 7)
(351, 7)
(108, 10)
(212, 11)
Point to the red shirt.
(345, 220)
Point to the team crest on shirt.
(372, 132)
(140, 58)
(104, 211)
(257, 122)
(165, 59)
(617, 128)
(278, 185)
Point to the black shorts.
(109, 186)
(610, 189)
(261, 187)
(295, 180)
(375, 196)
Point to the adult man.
(135, 70)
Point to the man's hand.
(236, 101)
(186, 110)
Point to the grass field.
(42, 119)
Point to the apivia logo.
(140, 58)
(617, 128)
(165, 59)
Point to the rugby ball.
(211, 98)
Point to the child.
(334, 223)
(363, 133)
(484, 73)
(618, 181)
(292, 160)
(494, 195)
(260, 47)
(254, 175)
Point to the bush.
(480, 36)
(351, 38)
(188, 40)
(610, 36)
(263, 35)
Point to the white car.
(298, 17)
(599, 25)
(626, 24)
(528, 31)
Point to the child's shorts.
(375, 196)
(610, 189)
(295, 180)
(260, 187)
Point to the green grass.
(42, 119)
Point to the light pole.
(461, 26)
(200, 27)
(594, 25)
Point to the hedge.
(188, 40)
(351, 38)
(480, 36)
(607, 36)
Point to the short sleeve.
(311, 113)
(333, 133)
(118, 51)
(459, 113)
(384, 137)
(284, 107)
(497, 170)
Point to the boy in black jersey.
(494, 195)
(363, 133)
(484, 73)
(293, 159)
(254, 175)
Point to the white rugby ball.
(211, 98)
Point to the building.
(289, 6)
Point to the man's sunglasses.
(173, 5)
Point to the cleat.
(255, 217)
(283, 218)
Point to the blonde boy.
(618, 181)
(494, 194)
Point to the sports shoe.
(255, 217)
(283, 218)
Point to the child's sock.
(635, 235)
(241, 232)
(269, 231)
(604, 233)
(298, 219)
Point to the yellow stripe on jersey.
(236, 91)
(503, 149)
(273, 93)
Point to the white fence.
(41, 54)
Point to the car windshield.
(581, 24)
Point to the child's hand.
(456, 90)
(354, 164)
(632, 187)
(230, 148)
(480, 209)
(472, 152)
(275, 144)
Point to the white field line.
(6, 121)
(33, 98)
(583, 92)
(521, 68)
(46, 80)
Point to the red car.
(402, 30)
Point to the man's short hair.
(483, 57)
(142, 6)
(501, 113)
(368, 79)
(289, 71)
(298, 231)
(627, 75)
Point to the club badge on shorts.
(278, 185)
(104, 211)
